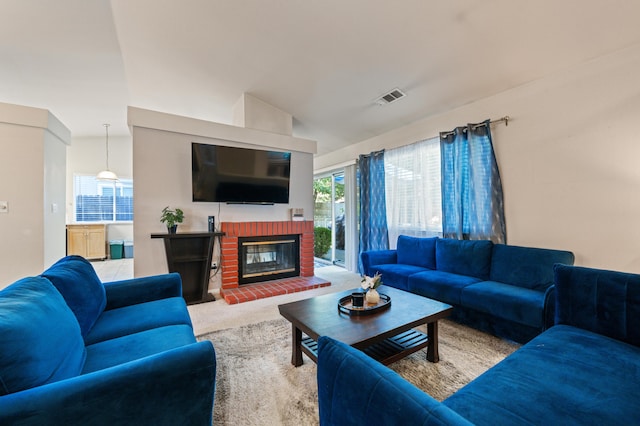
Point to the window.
(412, 190)
(102, 201)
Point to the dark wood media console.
(189, 254)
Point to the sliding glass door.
(329, 218)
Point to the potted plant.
(172, 218)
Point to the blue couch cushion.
(135, 318)
(526, 267)
(471, 258)
(564, 376)
(605, 302)
(443, 286)
(417, 251)
(521, 305)
(77, 281)
(136, 346)
(40, 339)
(396, 275)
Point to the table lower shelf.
(386, 352)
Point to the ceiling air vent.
(392, 96)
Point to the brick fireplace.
(233, 292)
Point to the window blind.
(412, 189)
(99, 201)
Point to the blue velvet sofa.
(584, 370)
(75, 351)
(502, 289)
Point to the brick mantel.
(233, 230)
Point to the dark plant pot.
(172, 229)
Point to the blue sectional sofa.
(585, 370)
(502, 289)
(75, 351)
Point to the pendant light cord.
(106, 129)
(107, 175)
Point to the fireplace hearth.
(268, 257)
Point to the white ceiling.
(324, 62)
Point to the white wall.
(162, 177)
(31, 180)
(253, 113)
(569, 159)
(87, 156)
(53, 213)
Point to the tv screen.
(239, 175)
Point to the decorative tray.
(345, 306)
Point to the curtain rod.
(506, 119)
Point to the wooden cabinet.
(87, 241)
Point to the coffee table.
(386, 335)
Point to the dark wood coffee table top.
(319, 316)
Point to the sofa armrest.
(141, 290)
(354, 389)
(377, 257)
(175, 387)
(604, 302)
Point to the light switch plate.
(4, 207)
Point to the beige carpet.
(218, 315)
(257, 385)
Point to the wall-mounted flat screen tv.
(239, 175)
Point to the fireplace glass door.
(268, 258)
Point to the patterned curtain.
(472, 202)
(373, 215)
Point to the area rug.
(257, 385)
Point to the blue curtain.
(373, 213)
(472, 202)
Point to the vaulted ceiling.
(325, 62)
